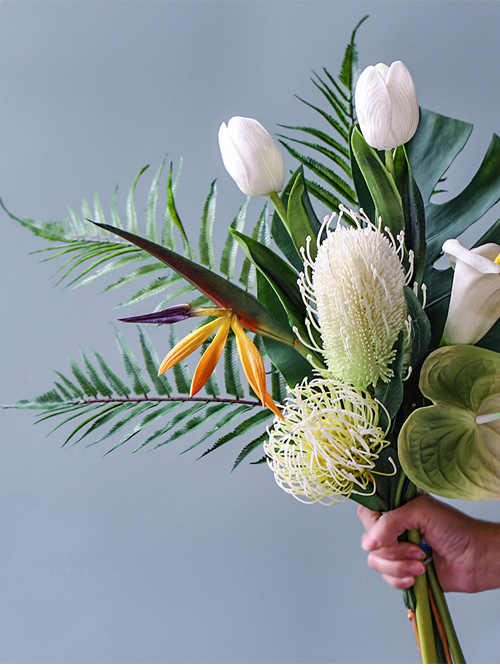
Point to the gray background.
(156, 557)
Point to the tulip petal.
(210, 358)
(373, 107)
(232, 160)
(189, 344)
(260, 154)
(405, 112)
(383, 71)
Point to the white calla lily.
(386, 105)
(475, 294)
(251, 156)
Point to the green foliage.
(97, 397)
(442, 448)
(431, 151)
(334, 144)
(93, 396)
(380, 183)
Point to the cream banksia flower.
(327, 442)
(354, 295)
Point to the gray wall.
(155, 557)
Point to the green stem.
(389, 163)
(279, 207)
(399, 489)
(444, 613)
(423, 612)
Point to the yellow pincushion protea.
(327, 442)
(353, 291)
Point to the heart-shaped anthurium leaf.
(452, 448)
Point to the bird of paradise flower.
(235, 309)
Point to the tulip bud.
(251, 156)
(386, 105)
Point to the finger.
(399, 569)
(403, 551)
(390, 526)
(399, 583)
(367, 516)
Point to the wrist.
(486, 559)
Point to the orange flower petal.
(272, 406)
(187, 345)
(210, 358)
(251, 360)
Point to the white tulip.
(251, 156)
(475, 294)
(386, 105)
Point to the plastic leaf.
(225, 294)
(445, 449)
(380, 183)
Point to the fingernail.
(417, 569)
(416, 553)
(370, 543)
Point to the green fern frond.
(97, 399)
(248, 448)
(338, 106)
(231, 372)
(206, 230)
(325, 152)
(152, 364)
(340, 129)
(181, 373)
(325, 173)
(322, 195)
(320, 135)
(248, 424)
(152, 201)
(134, 373)
(339, 94)
(228, 259)
(131, 214)
(247, 276)
(224, 422)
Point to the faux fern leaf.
(96, 403)
(131, 214)
(340, 116)
(228, 259)
(325, 173)
(206, 231)
(97, 399)
(248, 448)
(150, 216)
(248, 424)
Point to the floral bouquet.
(383, 370)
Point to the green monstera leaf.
(452, 448)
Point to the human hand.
(464, 550)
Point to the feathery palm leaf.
(333, 143)
(97, 397)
